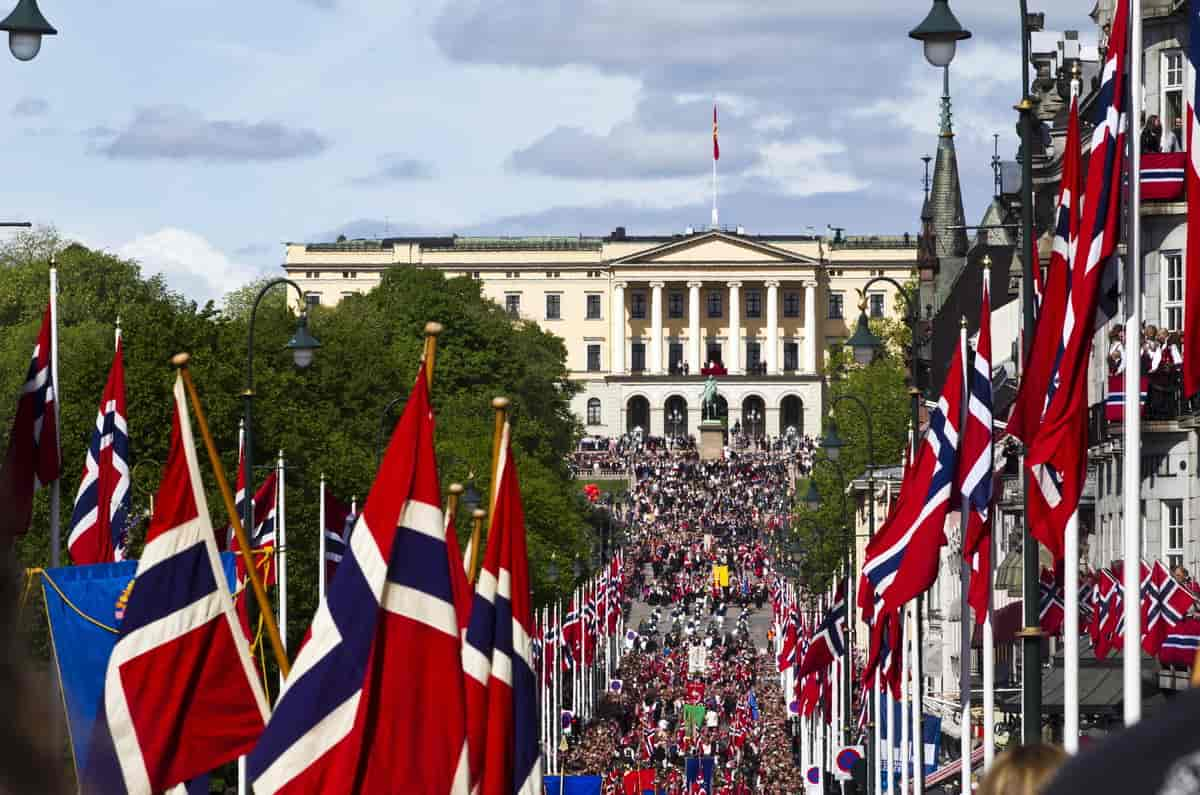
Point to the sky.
(197, 138)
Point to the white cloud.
(189, 263)
(801, 167)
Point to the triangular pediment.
(714, 248)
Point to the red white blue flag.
(100, 519)
(375, 701)
(1164, 604)
(502, 685)
(1191, 279)
(181, 696)
(829, 640)
(33, 459)
(1061, 440)
(976, 475)
(339, 522)
(902, 559)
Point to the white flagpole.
(281, 552)
(891, 742)
(1071, 636)
(964, 575)
(555, 684)
(915, 706)
(321, 543)
(806, 754)
(1133, 409)
(905, 699)
(989, 665)
(55, 485)
(877, 757)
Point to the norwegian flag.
(789, 651)
(1048, 512)
(1061, 440)
(1105, 606)
(647, 744)
(33, 459)
(829, 640)
(502, 688)
(262, 536)
(1118, 633)
(1050, 603)
(1114, 397)
(1191, 279)
(902, 558)
(885, 652)
(1164, 604)
(975, 476)
(339, 521)
(572, 631)
(614, 596)
(375, 701)
(181, 695)
(100, 520)
(1180, 644)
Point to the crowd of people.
(615, 456)
(1161, 363)
(697, 687)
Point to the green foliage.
(326, 419)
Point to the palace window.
(875, 304)
(836, 306)
(674, 305)
(637, 306)
(753, 355)
(512, 304)
(1172, 95)
(593, 411)
(593, 358)
(637, 358)
(753, 303)
(675, 357)
(312, 299)
(791, 304)
(791, 356)
(554, 307)
(593, 307)
(714, 303)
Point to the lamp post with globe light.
(26, 26)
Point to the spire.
(945, 200)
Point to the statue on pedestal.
(708, 401)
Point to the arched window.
(593, 411)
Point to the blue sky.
(198, 137)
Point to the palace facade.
(645, 319)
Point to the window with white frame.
(593, 411)
(1172, 82)
(1172, 511)
(1172, 290)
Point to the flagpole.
(500, 407)
(1133, 415)
(180, 361)
(891, 742)
(55, 485)
(906, 693)
(281, 552)
(916, 710)
(877, 757)
(1070, 594)
(321, 564)
(1071, 636)
(964, 575)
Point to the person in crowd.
(1023, 770)
(1152, 134)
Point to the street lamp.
(753, 416)
(302, 345)
(675, 417)
(471, 498)
(831, 442)
(940, 32)
(812, 497)
(864, 344)
(26, 26)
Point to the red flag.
(181, 696)
(33, 458)
(716, 146)
(1191, 279)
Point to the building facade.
(646, 319)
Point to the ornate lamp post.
(26, 26)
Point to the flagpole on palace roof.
(1131, 515)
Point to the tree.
(326, 419)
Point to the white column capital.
(657, 285)
(733, 285)
(620, 285)
(772, 284)
(695, 285)
(809, 284)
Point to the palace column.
(733, 362)
(772, 345)
(656, 328)
(694, 341)
(617, 343)
(810, 326)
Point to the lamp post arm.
(248, 401)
